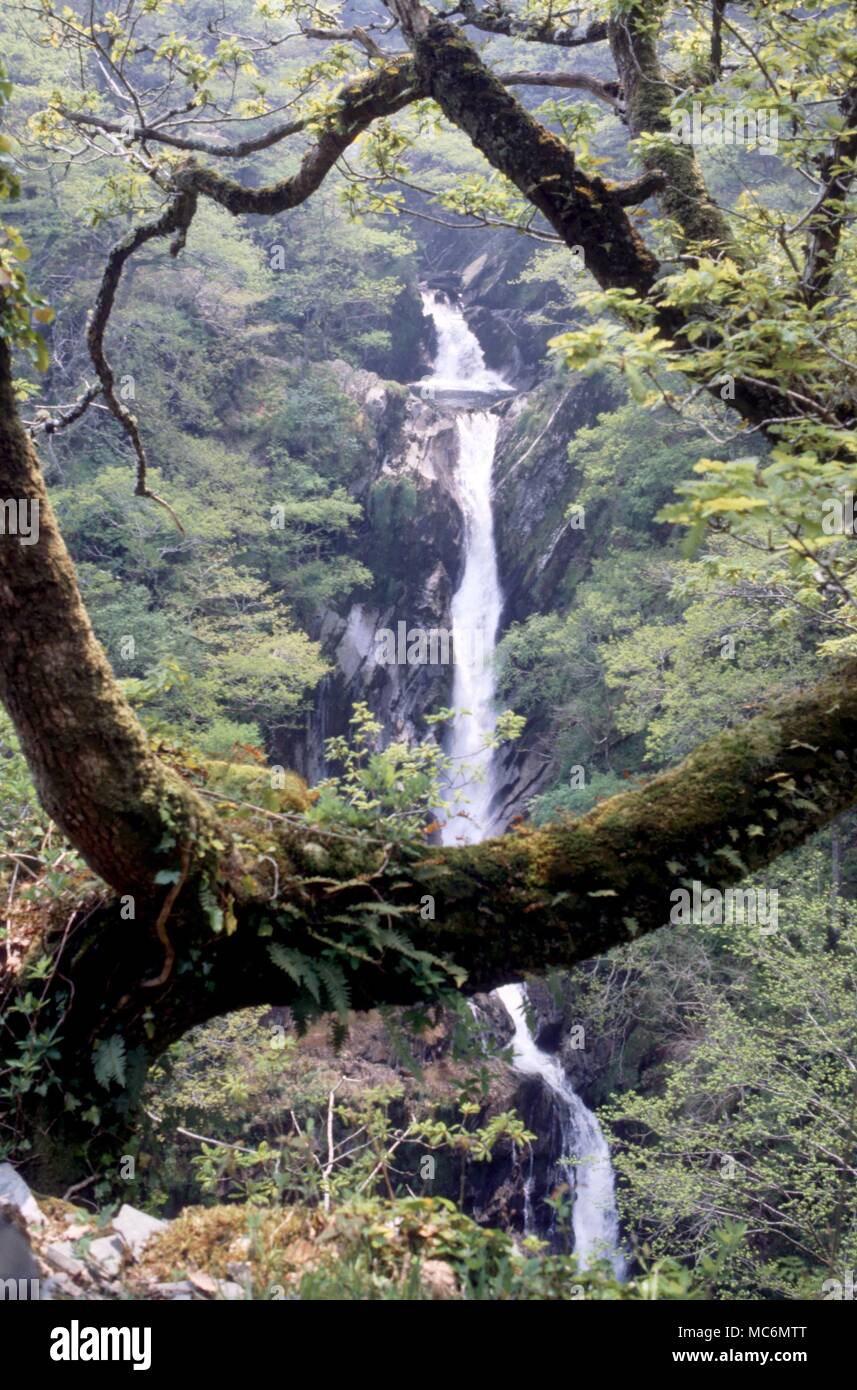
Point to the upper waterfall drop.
(460, 361)
(478, 602)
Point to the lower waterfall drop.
(585, 1158)
(477, 604)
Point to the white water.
(459, 364)
(478, 602)
(585, 1157)
(476, 610)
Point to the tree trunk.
(93, 769)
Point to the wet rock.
(549, 1036)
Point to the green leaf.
(168, 876)
(301, 970)
(108, 1061)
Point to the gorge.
(432, 460)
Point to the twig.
(161, 924)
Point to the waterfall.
(585, 1158)
(460, 369)
(477, 602)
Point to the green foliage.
(20, 308)
(390, 792)
(381, 1247)
(264, 1120)
(755, 1119)
(719, 660)
(575, 801)
(109, 1062)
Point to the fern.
(393, 940)
(301, 970)
(211, 907)
(335, 987)
(108, 1061)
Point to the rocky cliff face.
(411, 539)
(412, 534)
(544, 542)
(485, 276)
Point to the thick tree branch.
(580, 207)
(685, 198)
(385, 92)
(609, 92)
(493, 19)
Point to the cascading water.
(477, 603)
(585, 1158)
(460, 370)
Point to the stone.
(231, 1292)
(204, 1282)
(106, 1254)
(76, 1229)
(180, 1291)
(15, 1192)
(136, 1228)
(17, 1260)
(61, 1256)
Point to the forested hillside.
(371, 972)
